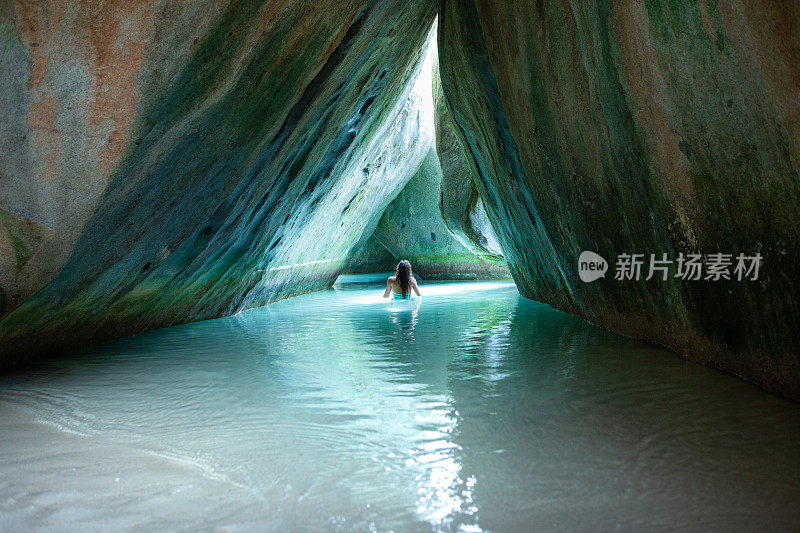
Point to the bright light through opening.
(423, 85)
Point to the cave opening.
(437, 219)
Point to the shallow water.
(476, 410)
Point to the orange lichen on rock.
(651, 102)
(766, 35)
(42, 119)
(117, 36)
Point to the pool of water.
(473, 410)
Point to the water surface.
(474, 410)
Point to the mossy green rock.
(438, 221)
(641, 127)
(413, 228)
(186, 160)
(371, 257)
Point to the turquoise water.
(473, 410)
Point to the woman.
(402, 283)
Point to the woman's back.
(402, 283)
(397, 290)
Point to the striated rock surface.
(371, 257)
(438, 221)
(413, 228)
(460, 203)
(641, 127)
(169, 161)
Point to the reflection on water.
(471, 410)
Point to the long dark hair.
(404, 276)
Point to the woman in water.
(402, 283)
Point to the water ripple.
(471, 410)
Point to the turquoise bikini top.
(401, 296)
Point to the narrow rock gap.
(437, 221)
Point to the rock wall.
(413, 228)
(371, 257)
(438, 221)
(460, 203)
(170, 161)
(641, 127)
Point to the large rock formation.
(371, 257)
(171, 161)
(413, 228)
(460, 202)
(641, 127)
(438, 221)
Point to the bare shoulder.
(392, 279)
(413, 280)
